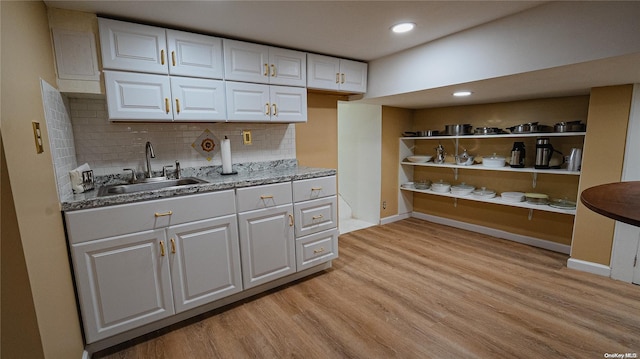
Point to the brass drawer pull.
(316, 189)
(267, 109)
(342, 79)
(168, 213)
(266, 69)
(317, 217)
(337, 77)
(173, 245)
(166, 104)
(266, 196)
(316, 251)
(162, 57)
(161, 248)
(177, 105)
(173, 57)
(291, 220)
(273, 70)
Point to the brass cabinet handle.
(291, 220)
(266, 69)
(266, 196)
(166, 104)
(273, 70)
(162, 57)
(316, 188)
(275, 109)
(173, 245)
(162, 248)
(317, 217)
(177, 105)
(320, 250)
(267, 109)
(342, 79)
(173, 58)
(162, 214)
(337, 77)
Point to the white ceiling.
(360, 30)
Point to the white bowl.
(440, 187)
(512, 196)
(419, 159)
(494, 161)
(462, 189)
(484, 193)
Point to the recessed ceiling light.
(403, 27)
(462, 93)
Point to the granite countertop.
(251, 174)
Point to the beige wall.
(603, 158)
(317, 139)
(544, 225)
(26, 58)
(394, 122)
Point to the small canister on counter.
(517, 155)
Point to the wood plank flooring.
(414, 289)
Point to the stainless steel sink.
(148, 184)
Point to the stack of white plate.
(512, 196)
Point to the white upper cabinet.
(194, 55)
(330, 73)
(133, 47)
(132, 96)
(142, 48)
(248, 62)
(198, 99)
(248, 102)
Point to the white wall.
(626, 236)
(551, 35)
(359, 158)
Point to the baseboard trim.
(589, 267)
(532, 241)
(394, 218)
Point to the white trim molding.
(394, 218)
(589, 267)
(532, 241)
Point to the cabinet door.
(287, 67)
(266, 245)
(247, 102)
(288, 104)
(198, 99)
(316, 248)
(123, 282)
(133, 96)
(323, 72)
(244, 61)
(353, 76)
(133, 47)
(205, 261)
(194, 55)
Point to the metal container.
(457, 130)
(571, 126)
(531, 127)
(487, 131)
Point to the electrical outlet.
(246, 137)
(384, 204)
(37, 134)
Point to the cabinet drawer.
(313, 188)
(88, 224)
(315, 216)
(316, 248)
(267, 196)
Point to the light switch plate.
(37, 134)
(246, 137)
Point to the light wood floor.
(414, 289)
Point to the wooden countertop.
(620, 201)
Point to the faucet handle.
(164, 170)
(134, 178)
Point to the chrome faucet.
(148, 153)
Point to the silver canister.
(574, 162)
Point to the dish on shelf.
(562, 203)
(484, 193)
(458, 129)
(462, 189)
(512, 196)
(408, 185)
(423, 184)
(530, 127)
(494, 161)
(419, 159)
(440, 187)
(488, 131)
(537, 198)
(427, 133)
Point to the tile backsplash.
(108, 147)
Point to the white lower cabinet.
(184, 254)
(123, 282)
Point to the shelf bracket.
(455, 202)
(455, 174)
(535, 179)
(530, 213)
